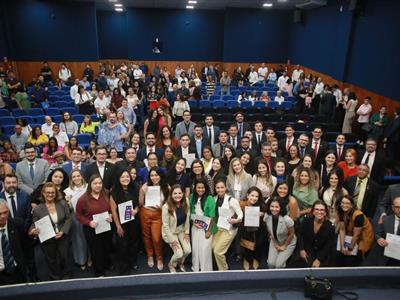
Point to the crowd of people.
(153, 181)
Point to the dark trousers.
(13, 277)
(349, 261)
(57, 254)
(128, 245)
(99, 246)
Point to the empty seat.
(205, 103)
(218, 104)
(16, 112)
(7, 120)
(84, 138)
(53, 111)
(71, 110)
(228, 97)
(246, 104)
(36, 112)
(78, 118)
(215, 97)
(28, 119)
(4, 113)
(8, 129)
(232, 104)
(273, 104)
(192, 103)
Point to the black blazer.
(253, 153)
(18, 242)
(178, 152)
(142, 153)
(255, 143)
(124, 164)
(323, 174)
(342, 154)
(323, 147)
(392, 132)
(24, 208)
(282, 145)
(385, 203)
(245, 126)
(318, 246)
(378, 168)
(370, 197)
(216, 134)
(204, 142)
(109, 173)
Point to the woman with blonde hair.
(238, 180)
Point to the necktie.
(287, 145)
(14, 207)
(31, 171)
(339, 152)
(240, 129)
(259, 139)
(222, 151)
(209, 135)
(315, 150)
(234, 142)
(357, 190)
(302, 152)
(7, 256)
(367, 159)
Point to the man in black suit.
(198, 141)
(373, 159)
(289, 140)
(211, 132)
(339, 147)
(245, 147)
(129, 161)
(385, 203)
(241, 125)
(327, 105)
(185, 148)
(234, 138)
(219, 148)
(317, 146)
(150, 146)
(13, 268)
(392, 137)
(101, 167)
(364, 190)
(302, 143)
(258, 136)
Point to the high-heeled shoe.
(160, 265)
(182, 268)
(246, 265)
(256, 264)
(171, 268)
(150, 262)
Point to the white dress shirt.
(101, 169)
(10, 204)
(370, 160)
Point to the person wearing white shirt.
(47, 127)
(64, 74)
(84, 83)
(137, 73)
(319, 87)
(262, 72)
(61, 136)
(112, 81)
(74, 89)
(101, 104)
(253, 76)
(271, 78)
(279, 98)
(282, 80)
(178, 71)
(296, 73)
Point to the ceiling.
(201, 4)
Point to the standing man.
(186, 126)
(211, 132)
(101, 167)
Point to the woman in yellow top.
(38, 138)
(88, 126)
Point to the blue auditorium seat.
(246, 104)
(4, 112)
(218, 104)
(8, 129)
(78, 118)
(204, 103)
(259, 104)
(273, 104)
(71, 110)
(53, 111)
(232, 104)
(84, 138)
(29, 119)
(192, 103)
(61, 104)
(228, 97)
(215, 97)
(287, 105)
(16, 112)
(56, 118)
(36, 111)
(7, 120)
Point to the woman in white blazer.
(227, 226)
(176, 226)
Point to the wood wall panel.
(26, 71)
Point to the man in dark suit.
(245, 147)
(219, 148)
(75, 163)
(327, 105)
(259, 137)
(364, 190)
(385, 203)
(211, 132)
(150, 146)
(266, 154)
(18, 201)
(339, 147)
(101, 167)
(302, 144)
(13, 268)
(391, 224)
(129, 161)
(289, 140)
(234, 138)
(185, 148)
(392, 137)
(198, 141)
(241, 125)
(373, 159)
(317, 146)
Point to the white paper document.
(252, 216)
(46, 229)
(392, 250)
(224, 215)
(347, 242)
(153, 196)
(203, 221)
(125, 211)
(190, 157)
(102, 224)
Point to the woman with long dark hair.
(128, 232)
(166, 138)
(329, 165)
(50, 150)
(282, 193)
(197, 172)
(177, 175)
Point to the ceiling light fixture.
(119, 9)
(189, 6)
(192, 2)
(267, 5)
(113, 0)
(118, 5)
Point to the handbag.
(317, 288)
(248, 244)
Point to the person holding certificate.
(253, 236)
(151, 198)
(56, 249)
(317, 237)
(229, 215)
(356, 236)
(95, 205)
(281, 232)
(202, 211)
(125, 207)
(77, 188)
(176, 226)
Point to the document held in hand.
(46, 229)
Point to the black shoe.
(135, 268)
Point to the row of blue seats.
(235, 97)
(51, 111)
(39, 119)
(286, 105)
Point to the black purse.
(317, 288)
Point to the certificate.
(125, 211)
(190, 157)
(347, 242)
(102, 224)
(224, 215)
(203, 221)
(46, 229)
(252, 216)
(153, 196)
(393, 248)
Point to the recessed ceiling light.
(267, 5)
(189, 6)
(192, 2)
(119, 9)
(113, 0)
(118, 5)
